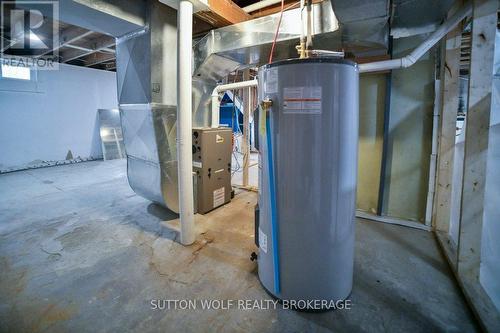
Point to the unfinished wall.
(371, 127)
(55, 112)
(410, 133)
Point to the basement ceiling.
(77, 46)
(365, 25)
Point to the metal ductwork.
(148, 103)
(146, 73)
(364, 25)
(248, 43)
(423, 48)
(147, 80)
(147, 96)
(411, 18)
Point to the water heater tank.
(308, 145)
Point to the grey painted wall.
(55, 112)
(410, 126)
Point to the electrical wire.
(237, 154)
(236, 135)
(309, 25)
(277, 31)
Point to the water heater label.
(302, 100)
(262, 240)
(219, 196)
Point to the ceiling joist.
(104, 43)
(222, 13)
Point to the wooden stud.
(447, 133)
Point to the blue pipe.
(274, 212)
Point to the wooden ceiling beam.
(228, 10)
(276, 8)
(222, 13)
(273, 9)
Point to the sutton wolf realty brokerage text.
(247, 304)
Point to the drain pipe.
(184, 121)
(416, 54)
(224, 87)
(433, 158)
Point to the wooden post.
(484, 27)
(447, 133)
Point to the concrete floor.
(81, 252)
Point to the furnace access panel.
(212, 148)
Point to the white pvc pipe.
(433, 158)
(245, 144)
(184, 121)
(215, 109)
(224, 87)
(416, 54)
(260, 5)
(309, 25)
(302, 30)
